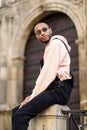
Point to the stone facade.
(17, 18)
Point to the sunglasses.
(38, 32)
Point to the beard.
(45, 42)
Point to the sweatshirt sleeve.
(48, 71)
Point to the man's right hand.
(25, 101)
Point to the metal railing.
(76, 119)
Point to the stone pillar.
(3, 60)
(5, 120)
(3, 79)
(15, 82)
(82, 73)
(50, 119)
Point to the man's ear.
(50, 31)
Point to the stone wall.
(17, 18)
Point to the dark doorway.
(61, 25)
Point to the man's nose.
(42, 32)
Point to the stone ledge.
(50, 119)
(54, 110)
(5, 108)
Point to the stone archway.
(38, 12)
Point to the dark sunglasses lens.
(39, 31)
(44, 29)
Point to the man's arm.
(49, 70)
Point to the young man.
(54, 83)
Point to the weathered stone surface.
(50, 119)
(16, 23)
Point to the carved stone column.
(82, 73)
(85, 10)
(15, 82)
(3, 61)
(4, 37)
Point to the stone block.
(5, 120)
(50, 119)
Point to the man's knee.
(17, 115)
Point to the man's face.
(43, 32)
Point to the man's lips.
(44, 37)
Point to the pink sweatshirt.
(56, 63)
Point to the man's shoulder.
(56, 41)
(58, 37)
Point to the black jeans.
(22, 116)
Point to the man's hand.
(26, 100)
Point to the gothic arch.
(29, 20)
(16, 55)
